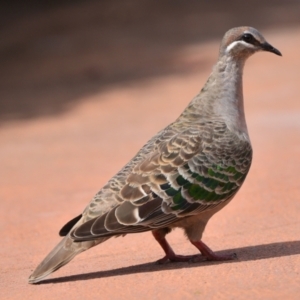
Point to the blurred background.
(84, 84)
(55, 53)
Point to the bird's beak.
(267, 47)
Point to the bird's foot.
(210, 255)
(175, 258)
(213, 257)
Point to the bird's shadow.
(244, 254)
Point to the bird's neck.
(226, 93)
(221, 98)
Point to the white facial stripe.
(232, 45)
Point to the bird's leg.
(170, 256)
(209, 254)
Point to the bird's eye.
(247, 37)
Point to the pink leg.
(170, 254)
(209, 254)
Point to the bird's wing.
(182, 175)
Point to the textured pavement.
(53, 164)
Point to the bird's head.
(242, 42)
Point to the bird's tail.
(65, 251)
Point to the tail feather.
(65, 251)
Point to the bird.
(182, 176)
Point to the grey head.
(242, 42)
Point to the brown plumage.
(183, 175)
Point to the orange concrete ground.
(52, 164)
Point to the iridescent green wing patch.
(216, 185)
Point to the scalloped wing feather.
(175, 175)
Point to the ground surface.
(62, 138)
